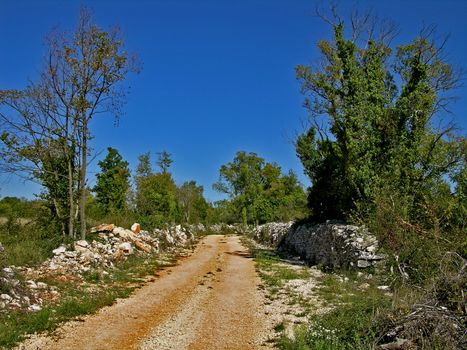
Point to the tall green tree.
(156, 193)
(379, 117)
(156, 200)
(192, 204)
(112, 182)
(164, 161)
(144, 168)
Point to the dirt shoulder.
(209, 301)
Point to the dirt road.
(209, 301)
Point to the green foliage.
(191, 202)
(156, 199)
(164, 161)
(376, 136)
(14, 325)
(144, 168)
(26, 241)
(112, 182)
(258, 191)
(18, 207)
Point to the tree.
(112, 182)
(192, 203)
(156, 193)
(81, 79)
(379, 116)
(258, 191)
(144, 168)
(156, 199)
(164, 161)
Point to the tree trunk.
(71, 200)
(82, 204)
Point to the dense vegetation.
(375, 157)
(259, 192)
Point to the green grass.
(25, 244)
(99, 290)
(15, 325)
(268, 263)
(353, 323)
(353, 320)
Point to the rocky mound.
(107, 244)
(16, 293)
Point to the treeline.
(150, 197)
(258, 192)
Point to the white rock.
(59, 250)
(123, 233)
(126, 247)
(136, 228)
(8, 270)
(34, 308)
(82, 243)
(70, 254)
(385, 288)
(5, 297)
(31, 284)
(41, 285)
(363, 263)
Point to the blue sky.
(218, 76)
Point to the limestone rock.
(59, 250)
(136, 228)
(142, 246)
(103, 228)
(5, 297)
(126, 248)
(123, 233)
(82, 243)
(34, 308)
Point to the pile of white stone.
(331, 245)
(112, 243)
(116, 243)
(223, 229)
(16, 294)
(172, 237)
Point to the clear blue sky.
(218, 75)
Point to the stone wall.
(331, 245)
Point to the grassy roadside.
(355, 304)
(344, 311)
(81, 296)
